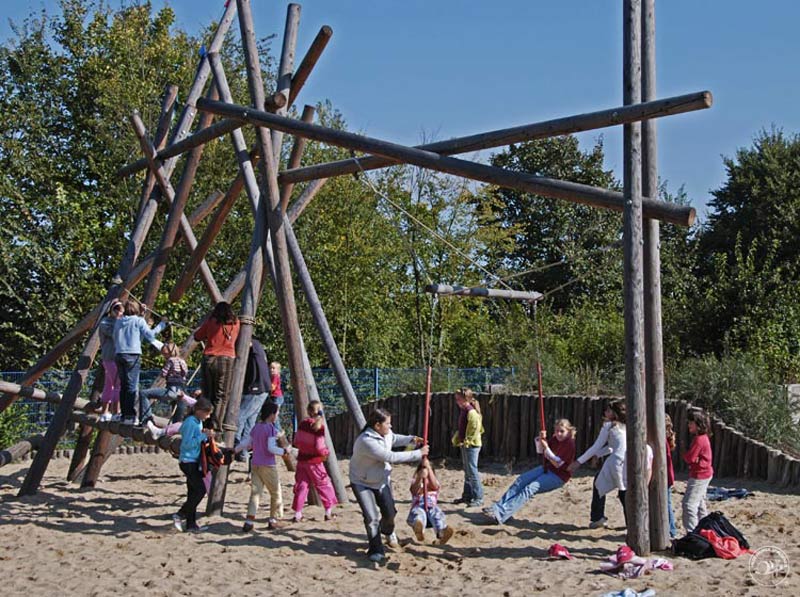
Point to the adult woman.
(370, 467)
(128, 333)
(219, 332)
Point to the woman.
(370, 467)
(219, 332)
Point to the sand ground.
(118, 539)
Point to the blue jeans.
(673, 529)
(279, 401)
(473, 489)
(248, 413)
(170, 391)
(129, 366)
(434, 517)
(527, 485)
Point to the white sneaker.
(599, 524)
(392, 541)
(105, 417)
(177, 522)
(156, 432)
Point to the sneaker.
(201, 529)
(377, 558)
(177, 522)
(460, 501)
(128, 421)
(445, 535)
(491, 514)
(419, 530)
(156, 432)
(475, 504)
(248, 526)
(272, 524)
(105, 417)
(392, 541)
(599, 524)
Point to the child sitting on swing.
(425, 509)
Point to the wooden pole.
(654, 350)
(294, 158)
(285, 69)
(176, 209)
(518, 134)
(638, 534)
(169, 195)
(516, 295)
(85, 433)
(309, 61)
(160, 139)
(548, 187)
(18, 450)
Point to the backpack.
(694, 547)
(717, 522)
(212, 457)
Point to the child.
(110, 396)
(311, 455)
(175, 427)
(610, 441)
(698, 457)
(425, 509)
(263, 440)
(275, 391)
(673, 530)
(192, 438)
(174, 372)
(558, 454)
(468, 438)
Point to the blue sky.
(404, 70)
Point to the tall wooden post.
(638, 536)
(654, 348)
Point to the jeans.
(129, 366)
(673, 529)
(249, 409)
(434, 517)
(195, 491)
(526, 486)
(473, 489)
(598, 508)
(694, 502)
(378, 510)
(171, 392)
(279, 401)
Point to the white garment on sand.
(610, 441)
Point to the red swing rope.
(426, 418)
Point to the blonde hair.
(670, 432)
(469, 397)
(275, 364)
(565, 423)
(171, 349)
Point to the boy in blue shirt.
(192, 437)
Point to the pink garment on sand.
(110, 382)
(308, 474)
(558, 551)
(635, 567)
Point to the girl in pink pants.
(312, 453)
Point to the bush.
(741, 391)
(13, 425)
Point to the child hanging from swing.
(425, 509)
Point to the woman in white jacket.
(610, 442)
(370, 468)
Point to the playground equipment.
(275, 249)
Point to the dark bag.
(694, 547)
(717, 522)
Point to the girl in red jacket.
(698, 457)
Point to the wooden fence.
(512, 421)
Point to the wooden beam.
(160, 139)
(309, 61)
(638, 534)
(548, 187)
(518, 134)
(294, 158)
(516, 295)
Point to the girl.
(610, 441)
(559, 454)
(174, 372)
(219, 332)
(264, 441)
(275, 391)
(128, 333)
(468, 438)
(312, 453)
(110, 396)
(698, 457)
(192, 436)
(370, 467)
(673, 530)
(175, 427)
(425, 509)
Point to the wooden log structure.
(516, 295)
(559, 189)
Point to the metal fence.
(368, 384)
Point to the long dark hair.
(618, 408)
(223, 313)
(701, 420)
(379, 415)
